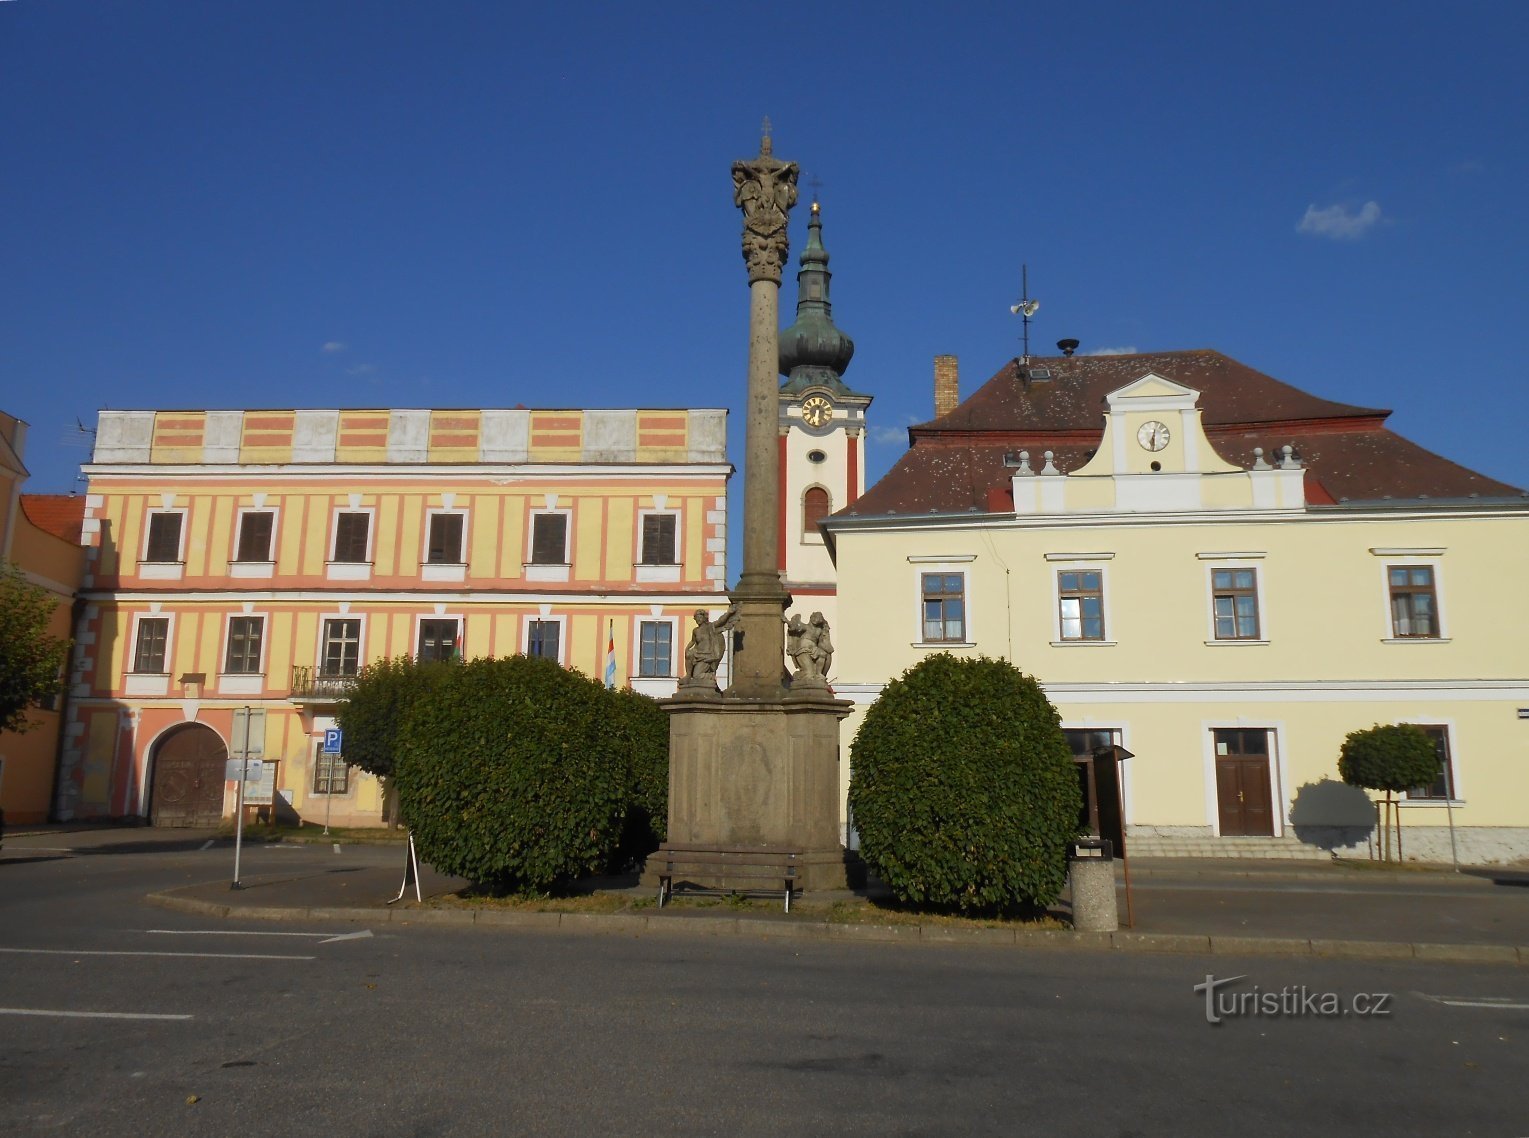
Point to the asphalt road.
(413, 1030)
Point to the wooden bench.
(775, 870)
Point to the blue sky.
(345, 203)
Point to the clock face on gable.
(816, 410)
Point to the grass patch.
(868, 911)
(603, 903)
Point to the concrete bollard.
(1091, 878)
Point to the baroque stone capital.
(765, 189)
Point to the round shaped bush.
(963, 788)
(511, 775)
(1394, 757)
(643, 729)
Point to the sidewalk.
(1179, 905)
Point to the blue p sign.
(332, 741)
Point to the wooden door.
(188, 778)
(1243, 797)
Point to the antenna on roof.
(1025, 307)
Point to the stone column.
(764, 188)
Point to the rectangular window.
(944, 604)
(149, 651)
(331, 775)
(542, 638)
(350, 534)
(549, 539)
(1414, 606)
(164, 537)
(438, 639)
(342, 647)
(1080, 595)
(658, 532)
(655, 648)
(445, 540)
(244, 636)
(1234, 597)
(255, 529)
(1443, 786)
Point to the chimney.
(947, 385)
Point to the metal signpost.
(334, 741)
(242, 762)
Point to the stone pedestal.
(760, 774)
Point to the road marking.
(1475, 1001)
(362, 935)
(119, 952)
(86, 1015)
(322, 938)
(337, 847)
(207, 845)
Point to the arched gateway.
(189, 763)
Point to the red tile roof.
(62, 515)
(957, 460)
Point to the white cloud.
(332, 346)
(896, 434)
(1129, 350)
(1339, 222)
(361, 369)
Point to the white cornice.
(484, 472)
(1252, 692)
(1324, 515)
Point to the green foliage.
(30, 659)
(511, 775)
(963, 788)
(1394, 757)
(377, 705)
(643, 729)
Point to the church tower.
(822, 432)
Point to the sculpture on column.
(765, 189)
(811, 648)
(708, 644)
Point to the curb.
(637, 924)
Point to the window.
(445, 546)
(331, 775)
(255, 529)
(244, 636)
(351, 531)
(1234, 601)
(549, 539)
(655, 648)
(342, 647)
(543, 638)
(815, 507)
(944, 602)
(1414, 606)
(1443, 786)
(1080, 597)
(164, 542)
(658, 539)
(149, 648)
(438, 639)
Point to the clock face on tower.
(816, 410)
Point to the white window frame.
(319, 640)
(443, 570)
(562, 635)
(1244, 561)
(1059, 563)
(676, 649)
(335, 760)
(149, 683)
(254, 569)
(1279, 776)
(1403, 559)
(947, 565)
(461, 622)
(163, 570)
(351, 570)
(551, 571)
(244, 683)
(657, 572)
(1450, 736)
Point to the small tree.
(510, 774)
(374, 712)
(1390, 758)
(963, 788)
(30, 659)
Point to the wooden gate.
(189, 764)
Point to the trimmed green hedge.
(516, 773)
(1393, 757)
(377, 704)
(963, 788)
(643, 728)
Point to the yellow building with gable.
(1221, 573)
(242, 566)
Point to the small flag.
(610, 658)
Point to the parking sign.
(332, 740)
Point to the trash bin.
(1091, 878)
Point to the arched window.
(815, 507)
